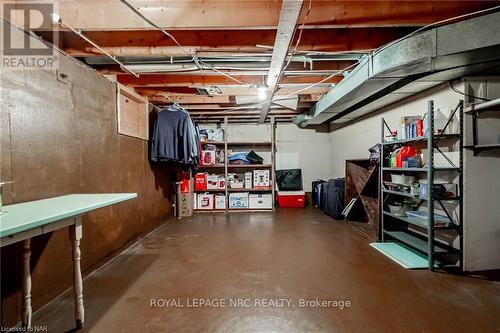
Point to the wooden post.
(75, 232)
(26, 284)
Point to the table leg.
(26, 284)
(75, 236)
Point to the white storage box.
(235, 184)
(260, 201)
(261, 178)
(238, 200)
(212, 182)
(205, 201)
(220, 201)
(248, 180)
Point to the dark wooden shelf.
(251, 144)
(249, 166)
(268, 189)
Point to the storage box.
(291, 199)
(248, 180)
(205, 201)
(235, 184)
(238, 200)
(212, 182)
(207, 157)
(200, 181)
(261, 178)
(220, 201)
(184, 204)
(221, 182)
(420, 217)
(260, 201)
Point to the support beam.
(289, 16)
(187, 80)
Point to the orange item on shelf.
(404, 153)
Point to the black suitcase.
(333, 199)
(317, 193)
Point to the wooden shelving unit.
(227, 145)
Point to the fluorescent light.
(261, 94)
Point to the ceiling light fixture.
(262, 91)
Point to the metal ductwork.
(409, 66)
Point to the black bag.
(254, 158)
(317, 193)
(333, 199)
(289, 180)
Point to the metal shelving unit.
(409, 231)
(227, 145)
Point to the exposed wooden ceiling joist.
(166, 80)
(154, 42)
(217, 14)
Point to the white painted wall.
(481, 176)
(306, 149)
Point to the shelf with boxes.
(421, 182)
(233, 176)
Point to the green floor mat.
(404, 256)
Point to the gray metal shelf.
(414, 241)
(428, 246)
(421, 139)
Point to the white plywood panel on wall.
(132, 113)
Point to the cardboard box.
(221, 182)
(185, 204)
(205, 201)
(248, 180)
(260, 201)
(261, 178)
(207, 157)
(200, 181)
(238, 200)
(220, 201)
(212, 182)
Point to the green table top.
(28, 215)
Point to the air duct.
(409, 66)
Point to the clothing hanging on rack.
(175, 137)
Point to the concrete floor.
(295, 254)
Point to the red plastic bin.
(291, 199)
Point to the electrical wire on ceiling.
(467, 95)
(194, 59)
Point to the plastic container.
(420, 216)
(402, 179)
(291, 199)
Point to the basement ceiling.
(233, 44)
